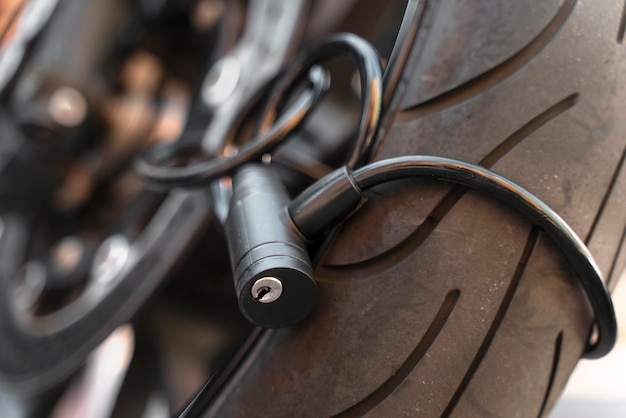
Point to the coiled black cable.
(368, 63)
(152, 165)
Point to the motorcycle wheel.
(434, 300)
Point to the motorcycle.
(269, 208)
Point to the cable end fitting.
(326, 203)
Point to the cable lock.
(270, 261)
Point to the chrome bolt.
(67, 106)
(221, 80)
(267, 289)
(110, 258)
(66, 253)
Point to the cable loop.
(513, 195)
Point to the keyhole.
(260, 294)
(266, 289)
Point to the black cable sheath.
(369, 67)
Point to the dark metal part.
(271, 266)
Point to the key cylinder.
(270, 261)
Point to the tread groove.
(495, 325)
(622, 25)
(558, 342)
(371, 401)
(493, 76)
(387, 259)
(606, 197)
(529, 128)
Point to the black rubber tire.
(438, 301)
